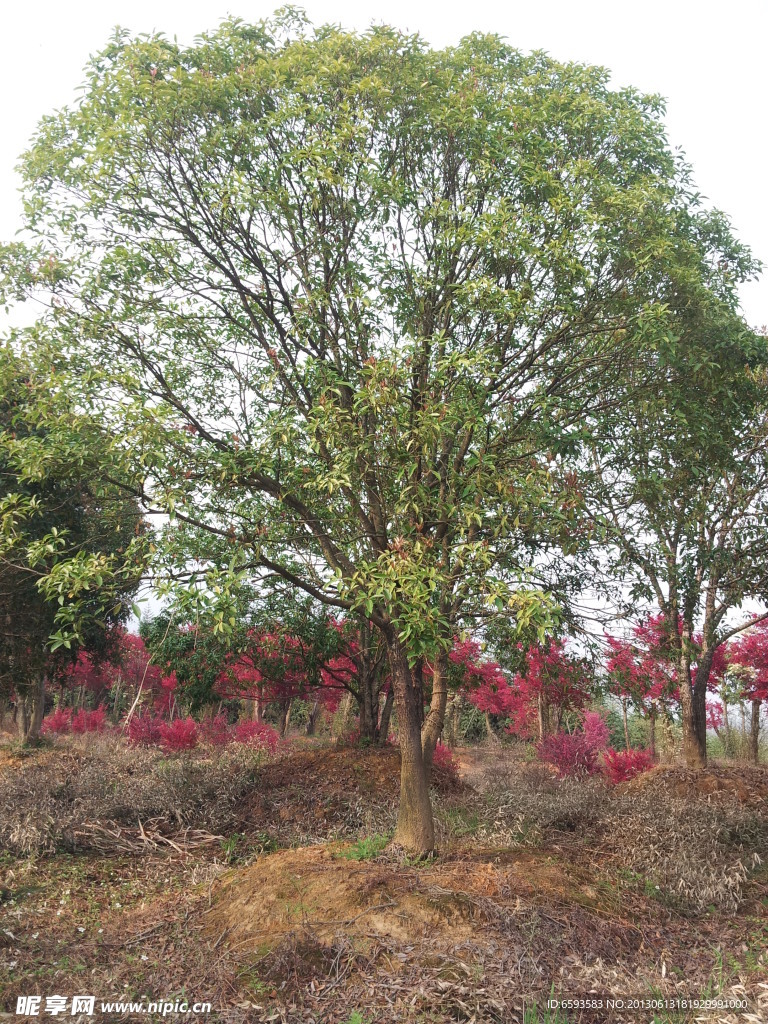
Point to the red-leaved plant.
(576, 753)
(257, 734)
(180, 734)
(215, 730)
(145, 730)
(623, 765)
(443, 758)
(57, 722)
(88, 721)
(569, 753)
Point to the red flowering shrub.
(215, 730)
(595, 730)
(623, 765)
(578, 752)
(570, 753)
(89, 721)
(58, 722)
(443, 758)
(180, 734)
(257, 734)
(145, 730)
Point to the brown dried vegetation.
(538, 883)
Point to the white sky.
(707, 59)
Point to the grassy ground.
(269, 888)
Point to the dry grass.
(538, 883)
(107, 796)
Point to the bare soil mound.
(318, 891)
(313, 790)
(747, 784)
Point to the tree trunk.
(754, 733)
(369, 708)
(728, 743)
(285, 714)
(386, 716)
(545, 725)
(694, 756)
(652, 731)
(693, 705)
(30, 706)
(626, 723)
(490, 732)
(433, 724)
(415, 826)
(344, 717)
(312, 719)
(453, 720)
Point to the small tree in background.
(72, 547)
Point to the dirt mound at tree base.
(318, 894)
(747, 784)
(317, 891)
(311, 792)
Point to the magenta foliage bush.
(89, 721)
(577, 752)
(57, 722)
(180, 734)
(145, 730)
(443, 758)
(215, 730)
(570, 753)
(257, 734)
(623, 765)
(62, 720)
(595, 730)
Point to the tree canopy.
(353, 300)
(70, 540)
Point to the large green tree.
(353, 298)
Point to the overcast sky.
(708, 60)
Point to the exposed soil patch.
(318, 793)
(317, 891)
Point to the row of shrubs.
(585, 751)
(582, 752)
(148, 730)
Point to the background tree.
(358, 297)
(641, 672)
(70, 540)
(749, 657)
(679, 490)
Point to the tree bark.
(453, 720)
(626, 723)
(726, 720)
(694, 756)
(343, 717)
(693, 705)
(30, 707)
(415, 826)
(386, 716)
(754, 733)
(312, 719)
(433, 723)
(652, 731)
(285, 714)
(542, 705)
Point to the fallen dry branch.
(110, 837)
